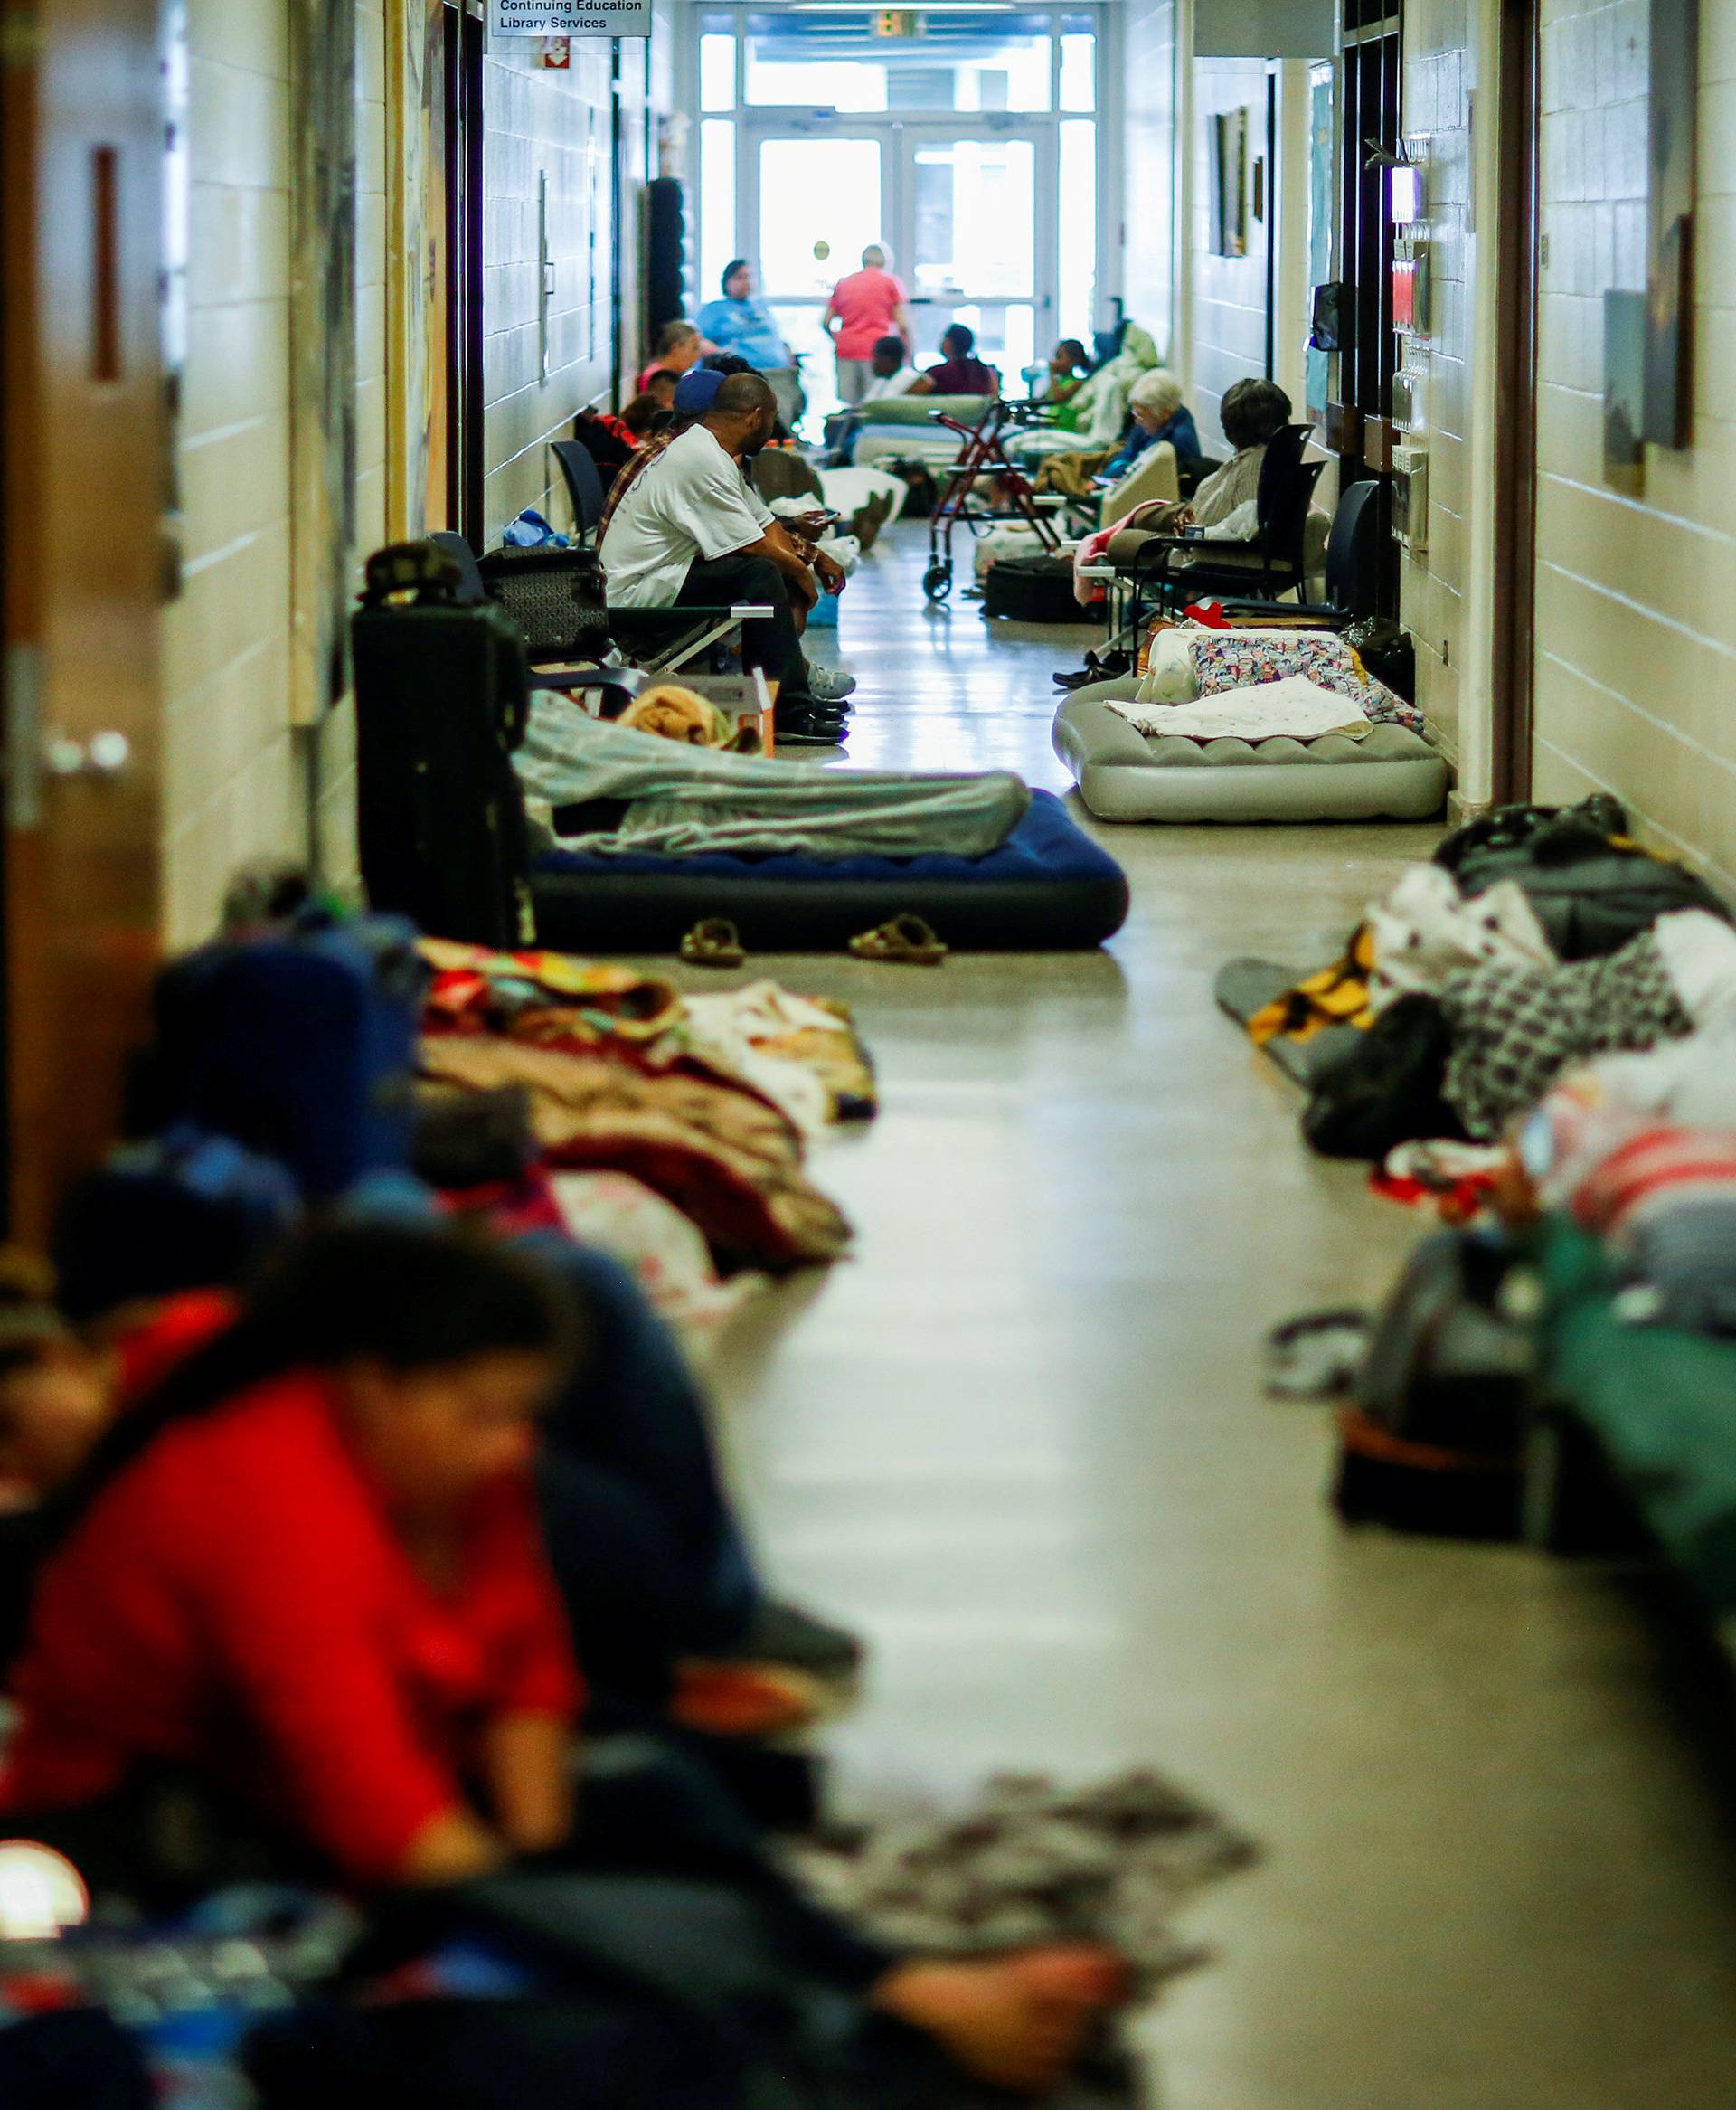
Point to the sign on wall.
(577, 18)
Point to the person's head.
(56, 1394)
(1252, 411)
(875, 258)
(678, 347)
(442, 1346)
(888, 356)
(744, 413)
(661, 388)
(1070, 356)
(737, 278)
(644, 411)
(958, 340)
(1154, 399)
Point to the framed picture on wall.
(1227, 137)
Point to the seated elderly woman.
(1157, 415)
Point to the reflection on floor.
(1019, 1441)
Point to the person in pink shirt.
(865, 307)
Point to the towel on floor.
(1297, 708)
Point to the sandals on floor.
(906, 939)
(715, 942)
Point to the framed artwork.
(1669, 279)
(1227, 140)
(1625, 355)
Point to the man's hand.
(830, 571)
(811, 524)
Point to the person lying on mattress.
(296, 1618)
(683, 528)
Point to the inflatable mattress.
(1392, 774)
(1048, 888)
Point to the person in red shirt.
(864, 307)
(326, 1590)
(305, 1572)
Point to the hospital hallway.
(1019, 1441)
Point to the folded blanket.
(684, 801)
(1297, 708)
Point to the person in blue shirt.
(741, 322)
(1159, 413)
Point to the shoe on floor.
(829, 685)
(802, 723)
(783, 1633)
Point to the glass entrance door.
(816, 200)
(974, 230)
(969, 220)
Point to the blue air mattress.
(1048, 888)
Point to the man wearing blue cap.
(684, 527)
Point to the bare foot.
(1019, 2021)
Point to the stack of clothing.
(671, 1131)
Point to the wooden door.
(81, 542)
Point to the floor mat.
(1244, 987)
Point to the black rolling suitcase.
(440, 703)
(1035, 590)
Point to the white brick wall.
(1439, 81)
(1636, 677)
(237, 780)
(1228, 308)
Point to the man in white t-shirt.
(687, 529)
(892, 373)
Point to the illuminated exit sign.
(897, 22)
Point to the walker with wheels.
(983, 455)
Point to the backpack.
(1035, 590)
(300, 1043)
(1435, 1441)
(185, 1210)
(1385, 1086)
(1592, 887)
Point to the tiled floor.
(1019, 1441)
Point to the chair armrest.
(673, 618)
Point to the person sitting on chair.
(1070, 367)
(679, 348)
(961, 371)
(685, 528)
(1156, 412)
(891, 372)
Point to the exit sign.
(570, 18)
(897, 22)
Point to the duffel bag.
(1435, 1440)
(1035, 590)
(1593, 887)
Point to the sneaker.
(809, 724)
(829, 685)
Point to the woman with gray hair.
(1157, 414)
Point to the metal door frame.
(899, 137)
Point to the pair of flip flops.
(909, 940)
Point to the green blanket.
(1662, 1407)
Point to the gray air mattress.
(1392, 774)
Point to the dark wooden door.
(85, 480)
